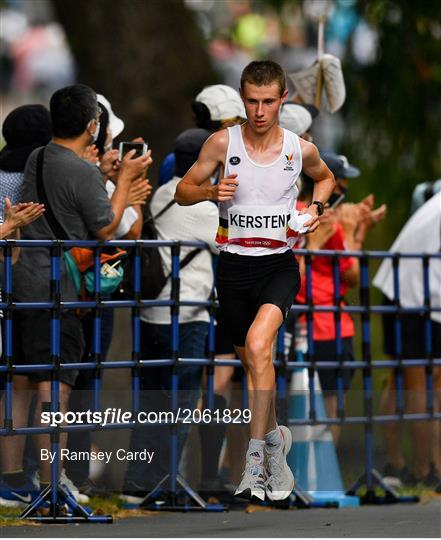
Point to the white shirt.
(197, 222)
(129, 216)
(421, 234)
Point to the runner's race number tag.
(258, 226)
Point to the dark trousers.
(81, 398)
(156, 396)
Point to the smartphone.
(124, 147)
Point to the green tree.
(393, 109)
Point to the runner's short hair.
(264, 72)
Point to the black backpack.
(153, 277)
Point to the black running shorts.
(246, 282)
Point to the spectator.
(421, 233)
(423, 192)
(24, 129)
(341, 228)
(111, 126)
(196, 282)
(18, 216)
(76, 194)
(296, 118)
(216, 107)
(129, 228)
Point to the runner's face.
(262, 104)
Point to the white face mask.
(96, 133)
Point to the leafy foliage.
(393, 109)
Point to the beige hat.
(295, 118)
(222, 101)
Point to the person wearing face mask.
(343, 227)
(111, 126)
(76, 473)
(76, 196)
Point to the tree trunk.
(147, 57)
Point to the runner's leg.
(257, 358)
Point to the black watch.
(320, 207)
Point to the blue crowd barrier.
(283, 364)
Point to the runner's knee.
(258, 353)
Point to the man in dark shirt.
(76, 194)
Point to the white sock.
(256, 450)
(273, 440)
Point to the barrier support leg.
(372, 479)
(172, 503)
(57, 513)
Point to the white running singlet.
(255, 222)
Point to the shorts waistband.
(255, 258)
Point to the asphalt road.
(404, 521)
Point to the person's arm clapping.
(18, 216)
(369, 217)
(348, 216)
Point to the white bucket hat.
(295, 118)
(115, 123)
(222, 101)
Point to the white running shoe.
(280, 482)
(67, 482)
(252, 485)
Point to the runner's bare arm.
(193, 187)
(317, 169)
(324, 181)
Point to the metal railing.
(284, 365)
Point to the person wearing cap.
(77, 199)
(196, 282)
(111, 126)
(296, 118)
(343, 228)
(216, 107)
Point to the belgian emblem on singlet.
(288, 163)
(235, 160)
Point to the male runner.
(258, 275)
